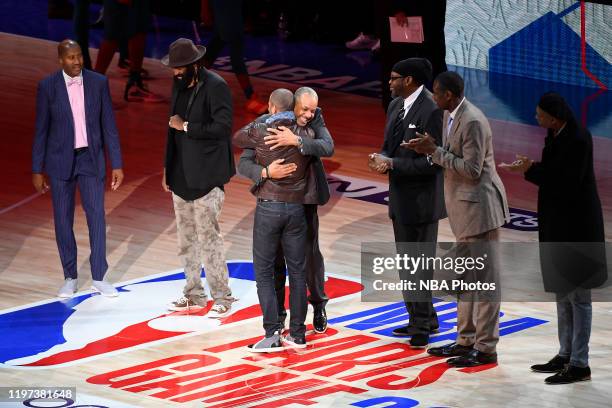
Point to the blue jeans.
(285, 224)
(574, 315)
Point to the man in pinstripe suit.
(74, 123)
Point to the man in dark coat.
(199, 161)
(571, 232)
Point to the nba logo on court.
(89, 326)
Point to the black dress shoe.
(553, 366)
(408, 331)
(570, 374)
(319, 322)
(450, 350)
(473, 359)
(405, 331)
(419, 341)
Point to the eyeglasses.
(393, 78)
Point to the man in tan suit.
(476, 204)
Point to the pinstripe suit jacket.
(53, 148)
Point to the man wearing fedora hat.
(199, 161)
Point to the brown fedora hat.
(183, 52)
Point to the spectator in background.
(433, 48)
(130, 19)
(367, 39)
(228, 28)
(80, 20)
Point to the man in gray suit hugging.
(476, 205)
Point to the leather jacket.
(295, 188)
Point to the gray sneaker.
(270, 344)
(104, 288)
(68, 289)
(295, 342)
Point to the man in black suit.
(416, 184)
(321, 146)
(199, 161)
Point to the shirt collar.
(69, 78)
(453, 113)
(412, 97)
(561, 130)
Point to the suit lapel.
(414, 109)
(408, 119)
(200, 84)
(62, 94)
(173, 102)
(391, 115)
(445, 129)
(394, 139)
(87, 99)
(456, 123)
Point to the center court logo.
(91, 326)
(354, 360)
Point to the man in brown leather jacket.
(279, 216)
(293, 187)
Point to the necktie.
(398, 128)
(450, 125)
(75, 81)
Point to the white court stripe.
(20, 203)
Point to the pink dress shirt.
(76, 96)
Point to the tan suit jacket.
(474, 194)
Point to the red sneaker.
(254, 105)
(144, 95)
(137, 91)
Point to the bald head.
(66, 45)
(70, 57)
(281, 100)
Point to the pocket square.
(411, 126)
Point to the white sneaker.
(68, 288)
(219, 311)
(362, 42)
(376, 47)
(104, 288)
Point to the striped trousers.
(91, 189)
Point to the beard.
(183, 81)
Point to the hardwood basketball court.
(142, 256)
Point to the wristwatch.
(300, 143)
(185, 126)
(429, 160)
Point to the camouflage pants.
(200, 242)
